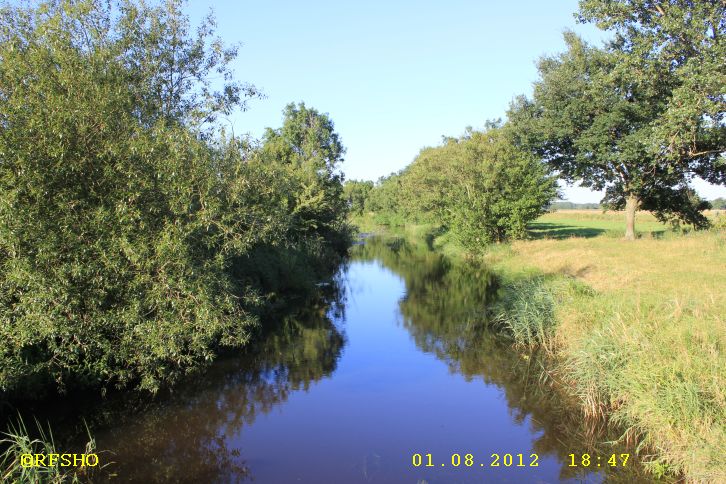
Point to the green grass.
(643, 347)
(591, 223)
(17, 441)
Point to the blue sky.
(393, 75)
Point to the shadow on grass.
(657, 234)
(544, 230)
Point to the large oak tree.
(595, 115)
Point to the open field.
(590, 223)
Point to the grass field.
(645, 347)
(590, 223)
(639, 327)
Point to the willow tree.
(113, 239)
(592, 118)
(308, 146)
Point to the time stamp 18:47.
(519, 460)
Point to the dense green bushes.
(124, 217)
(481, 187)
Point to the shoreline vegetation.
(19, 444)
(139, 239)
(634, 331)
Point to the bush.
(121, 214)
(482, 187)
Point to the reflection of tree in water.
(185, 436)
(445, 311)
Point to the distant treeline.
(573, 206)
(137, 239)
(716, 204)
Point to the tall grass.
(657, 368)
(17, 441)
(644, 347)
(526, 309)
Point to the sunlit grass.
(592, 223)
(646, 346)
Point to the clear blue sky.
(393, 75)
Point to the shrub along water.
(481, 188)
(136, 240)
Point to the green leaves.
(356, 194)
(611, 117)
(481, 187)
(124, 225)
(309, 150)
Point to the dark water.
(400, 363)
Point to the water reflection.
(445, 310)
(185, 437)
(316, 403)
(444, 304)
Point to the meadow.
(644, 346)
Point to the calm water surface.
(400, 363)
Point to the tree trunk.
(631, 206)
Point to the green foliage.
(481, 187)
(356, 194)
(121, 218)
(641, 116)
(309, 151)
(176, 67)
(383, 200)
(685, 41)
(591, 120)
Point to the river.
(395, 379)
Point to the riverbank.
(636, 328)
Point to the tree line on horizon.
(638, 118)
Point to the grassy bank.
(637, 328)
(645, 347)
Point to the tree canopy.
(592, 118)
(355, 193)
(308, 144)
(481, 187)
(684, 41)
